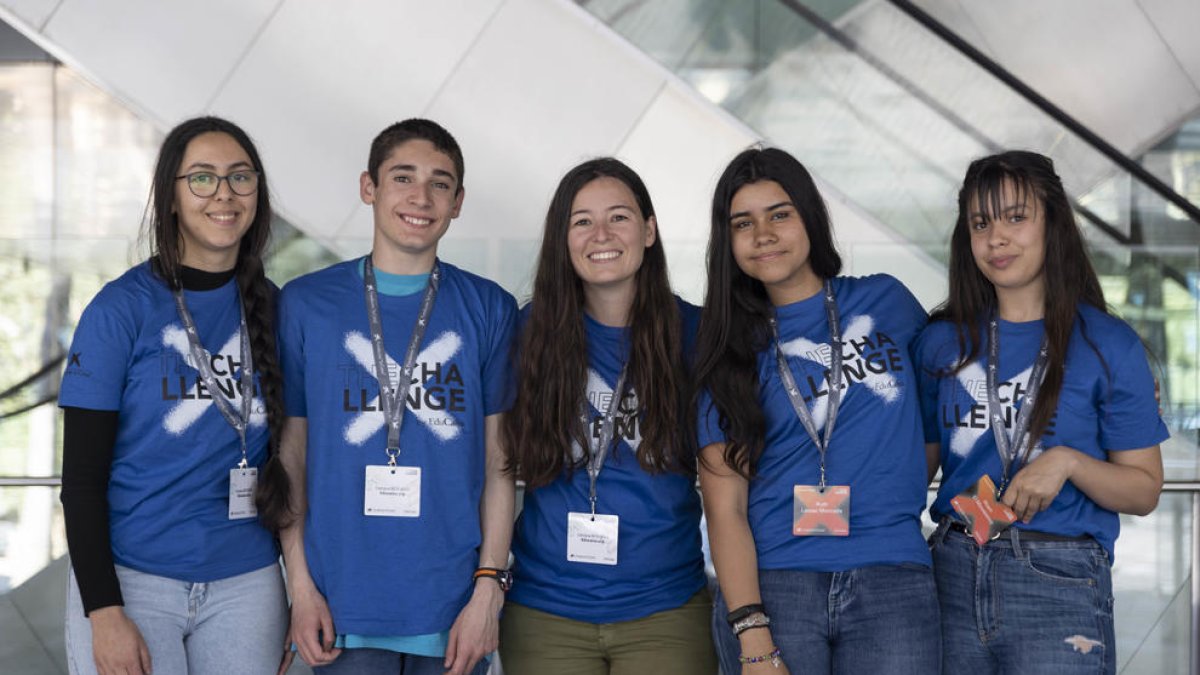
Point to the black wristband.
(743, 612)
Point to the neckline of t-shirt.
(804, 307)
(595, 326)
(387, 282)
(201, 281)
(1031, 326)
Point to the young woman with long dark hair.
(1040, 401)
(172, 409)
(609, 576)
(812, 465)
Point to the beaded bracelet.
(773, 657)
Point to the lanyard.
(835, 383)
(1020, 441)
(393, 399)
(201, 358)
(607, 425)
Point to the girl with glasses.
(1042, 406)
(812, 464)
(609, 574)
(172, 410)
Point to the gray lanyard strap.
(1020, 440)
(607, 426)
(393, 399)
(201, 358)
(835, 379)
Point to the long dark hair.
(257, 294)
(552, 358)
(733, 324)
(1069, 281)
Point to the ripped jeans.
(1024, 606)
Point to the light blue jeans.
(867, 620)
(1022, 606)
(225, 627)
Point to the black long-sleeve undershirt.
(88, 440)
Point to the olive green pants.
(672, 642)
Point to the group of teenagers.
(368, 424)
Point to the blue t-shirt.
(876, 447)
(384, 575)
(1107, 403)
(168, 493)
(659, 561)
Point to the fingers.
(327, 629)
(451, 648)
(286, 661)
(143, 656)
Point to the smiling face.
(417, 196)
(1008, 242)
(211, 228)
(607, 236)
(770, 242)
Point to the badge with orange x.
(985, 517)
(821, 512)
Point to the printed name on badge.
(592, 538)
(393, 491)
(821, 513)
(241, 492)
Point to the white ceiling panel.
(1178, 23)
(571, 89)
(680, 148)
(1103, 61)
(324, 78)
(166, 58)
(32, 12)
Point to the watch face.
(506, 580)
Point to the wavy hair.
(552, 352)
(257, 293)
(733, 323)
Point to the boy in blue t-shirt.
(396, 371)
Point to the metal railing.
(1192, 487)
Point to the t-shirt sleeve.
(498, 382)
(708, 421)
(927, 382)
(1129, 418)
(907, 307)
(291, 352)
(100, 353)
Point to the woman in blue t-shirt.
(1036, 397)
(812, 465)
(171, 569)
(609, 575)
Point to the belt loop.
(939, 535)
(1015, 538)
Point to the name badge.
(393, 491)
(985, 517)
(592, 538)
(241, 492)
(821, 513)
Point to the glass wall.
(75, 170)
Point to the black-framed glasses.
(206, 183)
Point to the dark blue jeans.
(869, 620)
(1021, 606)
(384, 662)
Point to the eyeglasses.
(206, 183)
